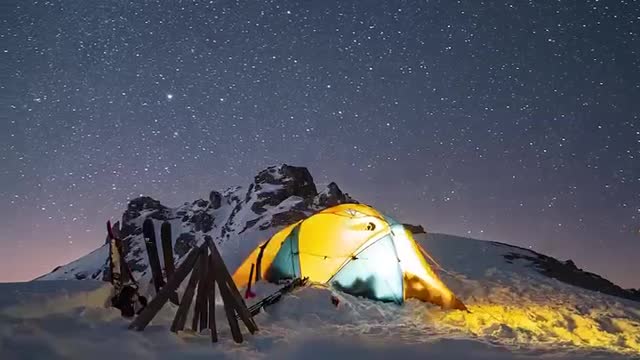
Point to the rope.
(426, 254)
(349, 216)
(325, 256)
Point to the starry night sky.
(512, 121)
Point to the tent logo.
(352, 212)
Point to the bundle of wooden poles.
(207, 270)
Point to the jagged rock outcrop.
(215, 198)
(415, 229)
(200, 216)
(184, 243)
(276, 184)
(294, 180)
(571, 265)
(333, 196)
(139, 206)
(286, 218)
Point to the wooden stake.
(204, 298)
(224, 278)
(212, 300)
(199, 306)
(156, 304)
(187, 299)
(229, 309)
(206, 271)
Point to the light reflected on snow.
(535, 324)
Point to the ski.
(125, 271)
(167, 255)
(276, 296)
(115, 259)
(149, 234)
(126, 296)
(118, 267)
(167, 249)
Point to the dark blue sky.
(505, 120)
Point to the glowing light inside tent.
(412, 264)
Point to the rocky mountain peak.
(137, 207)
(293, 180)
(275, 184)
(333, 196)
(278, 196)
(215, 198)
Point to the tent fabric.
(355, 249)
(372, 273)
(286, 263)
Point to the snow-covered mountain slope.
(516, 312)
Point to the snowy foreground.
(516, 313)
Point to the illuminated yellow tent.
(355, 249)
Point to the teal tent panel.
(391, 221)
(286, 264)
(374, 273)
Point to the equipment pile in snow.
(207, 269)
(276, 296)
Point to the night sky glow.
(515, 121)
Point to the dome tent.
(355, 249)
